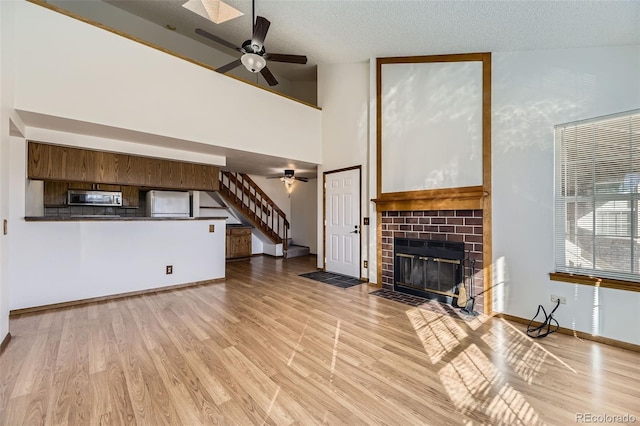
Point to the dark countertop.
(238, 225)
(113, 218)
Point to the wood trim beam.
(487, 180)
(464, 198)
(379, 62)
(16, 312)
(379, 247)
(458, 57)
(575, 333)
(459, 192)
(595, 281)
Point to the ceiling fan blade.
(217, 39)
(302, 179)
(268, 76)
(229, 66)
(260, 31)
(279, 57)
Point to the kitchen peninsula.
(76, 259)
(64, 254)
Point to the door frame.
(324, 214)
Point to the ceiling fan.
(254, 56)
(288, 178)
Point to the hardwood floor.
(269, 347)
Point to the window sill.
(595, 281)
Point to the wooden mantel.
(465, 198)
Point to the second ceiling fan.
(254, 56)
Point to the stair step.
(296, 251)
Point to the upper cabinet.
(54, 162)
(55, 193)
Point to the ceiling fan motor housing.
(249, 47)
(289, 173)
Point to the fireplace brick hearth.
(446, 225)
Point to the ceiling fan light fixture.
(287, 180)
(252, 62)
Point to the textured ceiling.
(345, 31)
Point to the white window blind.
(597, 189)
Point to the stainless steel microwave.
(94, 198)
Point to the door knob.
(355, 231)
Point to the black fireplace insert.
(431, 269)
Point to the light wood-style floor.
(269, 347)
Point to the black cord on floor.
(538, 332)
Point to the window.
(597, 189)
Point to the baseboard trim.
(273, 256)
(575, 333)
(16, 312)
(5, 343)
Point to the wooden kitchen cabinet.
(80, 165)
(81, 186)
(107, 187)
(88, 186)
(54, 162)
(238, 242)
(130, 196)
(106, 167)
(55, 193)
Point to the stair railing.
(247, 197)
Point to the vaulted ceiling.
(354, 31)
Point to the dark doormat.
(337, 280)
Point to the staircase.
(294, 250)
(245, 195)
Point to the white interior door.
(342, 227)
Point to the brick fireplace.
(463, 226)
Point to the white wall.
(533, 91)
(6, 102)
(304, 214)
(120, 146)
(110, 80)
(343, 95)
(54, 262)
(431, 125)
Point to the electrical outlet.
(169, 269)
(555, 298)
(212, 228)
(366, 264)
